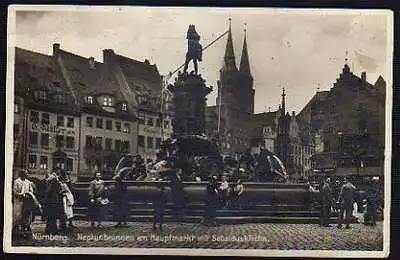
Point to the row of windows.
(108, 124)
(93, 142)
(45, 139)
(150, 142)
(150, 122)
(66, 164)
(34, 117)
(104, 165)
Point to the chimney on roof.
(56, 48)
(91, 62)
(364, 76)
(108, 56)
(147, 62)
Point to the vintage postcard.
(198, 131)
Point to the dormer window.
(89, 100)
(59, 99)
(107, 101)
(124, 107)
(40, 95)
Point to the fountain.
(190, 151)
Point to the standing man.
(346, 199)
(178, 192)
(373, 199)
(121, 202)
(52, 202)
(98, 200)
(212, 201)
(336, 191)
(326, 199)
(159, 208)
(224, 191)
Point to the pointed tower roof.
(283, 102)
(229, 58)
(244, 61)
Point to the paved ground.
(188, 235)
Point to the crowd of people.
(53, 200)
(344, 198)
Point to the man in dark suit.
(159, 207)
(346, 200)
(52, 202)
(326, 203)
(121, 209)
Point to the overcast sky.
(299, 50)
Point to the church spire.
(244, 61)
(229, 58)
(283, 102)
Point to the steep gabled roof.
(79, 72)
(36, 71)
(138, 69)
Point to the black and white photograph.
(143, 130)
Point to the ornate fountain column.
(189, 100)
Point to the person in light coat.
(23, 198)
(68, 202)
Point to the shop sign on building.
(52, 129)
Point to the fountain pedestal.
(189, 100)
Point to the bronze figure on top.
(194, 48)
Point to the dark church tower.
(235, 87)
(228, 76)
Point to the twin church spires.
(229, 58)
(235, 87)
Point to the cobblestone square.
(195, 235)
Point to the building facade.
(348, 123)
(82, 115)
(48, 126)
